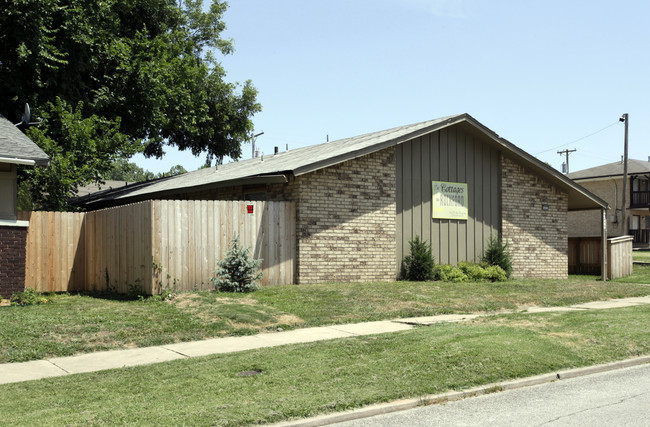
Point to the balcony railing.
(641, 236)
(640, 199)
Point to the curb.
(404, 404)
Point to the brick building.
(15, 149)
(606, 181)
(359, 201)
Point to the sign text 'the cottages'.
(449, 200)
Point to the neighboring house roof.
(108, 184)
(16, 147)
(273, 168)
(634, 167)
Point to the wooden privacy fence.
(585, 256)
(155, 244)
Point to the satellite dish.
(26, 116)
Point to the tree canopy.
(117, 77)
(123, 170)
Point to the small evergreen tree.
(237, 272)
(418, 265)
(497, 253)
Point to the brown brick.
(12, 260)
(537, 238)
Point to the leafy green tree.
(139, 74)
(83, 150)
(123, 170)
(174, 170)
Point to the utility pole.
(253, 137)
(567, 152)
(625, 119)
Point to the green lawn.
(309, 379)
(77, 323)
(643, 256)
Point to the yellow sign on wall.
(449, 200)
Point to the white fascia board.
(13, 223)
(17, 161)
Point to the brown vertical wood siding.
(454, 154)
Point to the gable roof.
(274, 168)
(634, 167)
(94, 187)
(16, 147)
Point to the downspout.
(603, 238)
(615, 202)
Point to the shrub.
(494, 273)
(418, 265)
(467, 271)
(449, 273)
(497, 253)
(474, 272)
(29, 297)
(237, 272)
(441, 271)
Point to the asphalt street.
(619, 397)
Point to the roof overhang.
(17, 161)
(122, 195)
(28, 162)
(579, 197)
(610, 177)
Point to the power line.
(579, 139)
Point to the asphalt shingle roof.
(14, 144)
(304, 160)
(634, 167)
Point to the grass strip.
(643, 256)
(333, 303)
(309, 379)
(80, 323)
(641, 276)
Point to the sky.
(545, 75)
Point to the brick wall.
(588, 223)
(346, 221)
(537, 238)
(12, 260)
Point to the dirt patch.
(186, 300)
(570, 339)
(283, 319)
(532, 324)
(289, 319)
(242, 301)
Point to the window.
(635, 222)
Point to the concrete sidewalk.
(91, 362)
